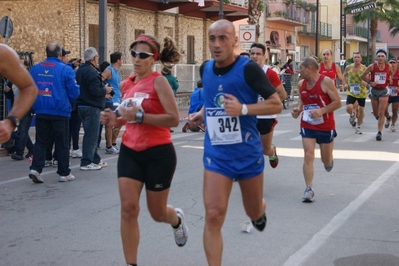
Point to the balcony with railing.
(359, 33)
(325, 30)
(289, 12)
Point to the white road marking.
(320, 238)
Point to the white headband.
(381, 53)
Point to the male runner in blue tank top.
(112, 100)
(232, 146)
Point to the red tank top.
(395, 82)
(315, 98)
(381, 77)
(331, 73)
(140, 137)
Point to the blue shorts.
(393, 99)
(320, 136)
(239, 169)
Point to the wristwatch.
(244, 110)
(14, 120)
(139, 117)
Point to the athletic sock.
(178, 224)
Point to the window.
(93, 36)
(190, 50)
(304, 51)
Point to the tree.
(394, 26)
(255, 9)
(385, 12)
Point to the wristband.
(244, 110)
(117, 113)
(139, 117)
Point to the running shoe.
(260, 224)
(90, 167)
(111, 150)
(35, 176)
(352, 120)
(358, 131)
(329, 167)
(186, 127)
(202, 127)
(378, 136)
(273, 160)
(69, 177)
(308, 195)
(181, 233)
(387, 122)
(393, 128)
(76, 153)
(48, 163)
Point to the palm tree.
(394, 26)
(385, 11)
(255, 8)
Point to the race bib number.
(392, 91)
(222, 129)
(355, 89)
(380, 77)
(306, 115)
(134, 101)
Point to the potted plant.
(279, 13)
(298, 3)
(311, 7)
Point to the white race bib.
(306, 115)
(380, 77)
(134, 101)
(355, 89)
(392, 91)
(221, 128)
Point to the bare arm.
(295, 112)
(328, 87)
(14, 71)
(282, 94)
(340, 77)
(365, 75)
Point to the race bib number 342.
(222, 129)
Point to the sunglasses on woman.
(141, 55)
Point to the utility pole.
(221, 9)
(102, 32)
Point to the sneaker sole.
(307, 200)
(35, 179)
(91, 169)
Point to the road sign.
(360, 7)
(247, 33)
(6, 27)
(245, 45)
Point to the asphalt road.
(354, 219)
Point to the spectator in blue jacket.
(57, 89)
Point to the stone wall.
(39, 22)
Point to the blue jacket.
(57, 87)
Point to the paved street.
(354, 219)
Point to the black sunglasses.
(142, 55)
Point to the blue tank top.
(114, 81)
(219, 124)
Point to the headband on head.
(151, 43)
(381, 53)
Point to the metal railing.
(325, 29)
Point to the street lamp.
(317, 29)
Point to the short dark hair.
(259, 45)
(199, 84)
(104, 65)
(381, 51)
(245, 54)
(115, 57)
